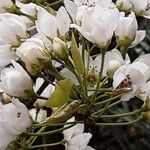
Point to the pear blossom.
(132, 77)
(76, 138)
(48, 24)
(6, 55)
(38, 116)
(77, 8)
(12, 31)
(34, 53)
(14, 119)
(16, 82)
(5, 5)
(126, 31)
(96, 26)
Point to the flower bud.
(34, 54)
(126, 30)
(113, 66)
(59, 48)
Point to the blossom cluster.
(46, 60)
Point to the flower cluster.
(69, 62)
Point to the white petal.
(140, 35)
(71, 8)
(46, 23)
(63, 21)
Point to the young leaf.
(61, 94)
(77, 59)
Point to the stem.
(103, 90)
(46, 79)
(101, 110)
(59, 124)
(46, 145)
(51, 132)
(54, 3)
(122, 115)
(110, 99)
(34, 138)
(120, 123)
(100, 74)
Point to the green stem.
(120, 123)
(46, 79)
(34, 138)
(122, 115)
(103, 90)
(58, 124)
(110, 99)
(50, 132)
(54, 3)
(100, 75)
(46, 145)
(101, 110)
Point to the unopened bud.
(59, 48)
(113, 66)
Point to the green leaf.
(77, 59)
(61, 94)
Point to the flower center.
(126, 83)
(89, 3)
(92, 76)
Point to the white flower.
(76, 139)
(48, 24)
(96, 26)
(14, 119)
(133, 77)
(16, 82)
(126, 31)
(77, 8)
(41, 116)
(34, 53)
(12, 31)
(6, 55)
(29, 9)
(5, 5)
